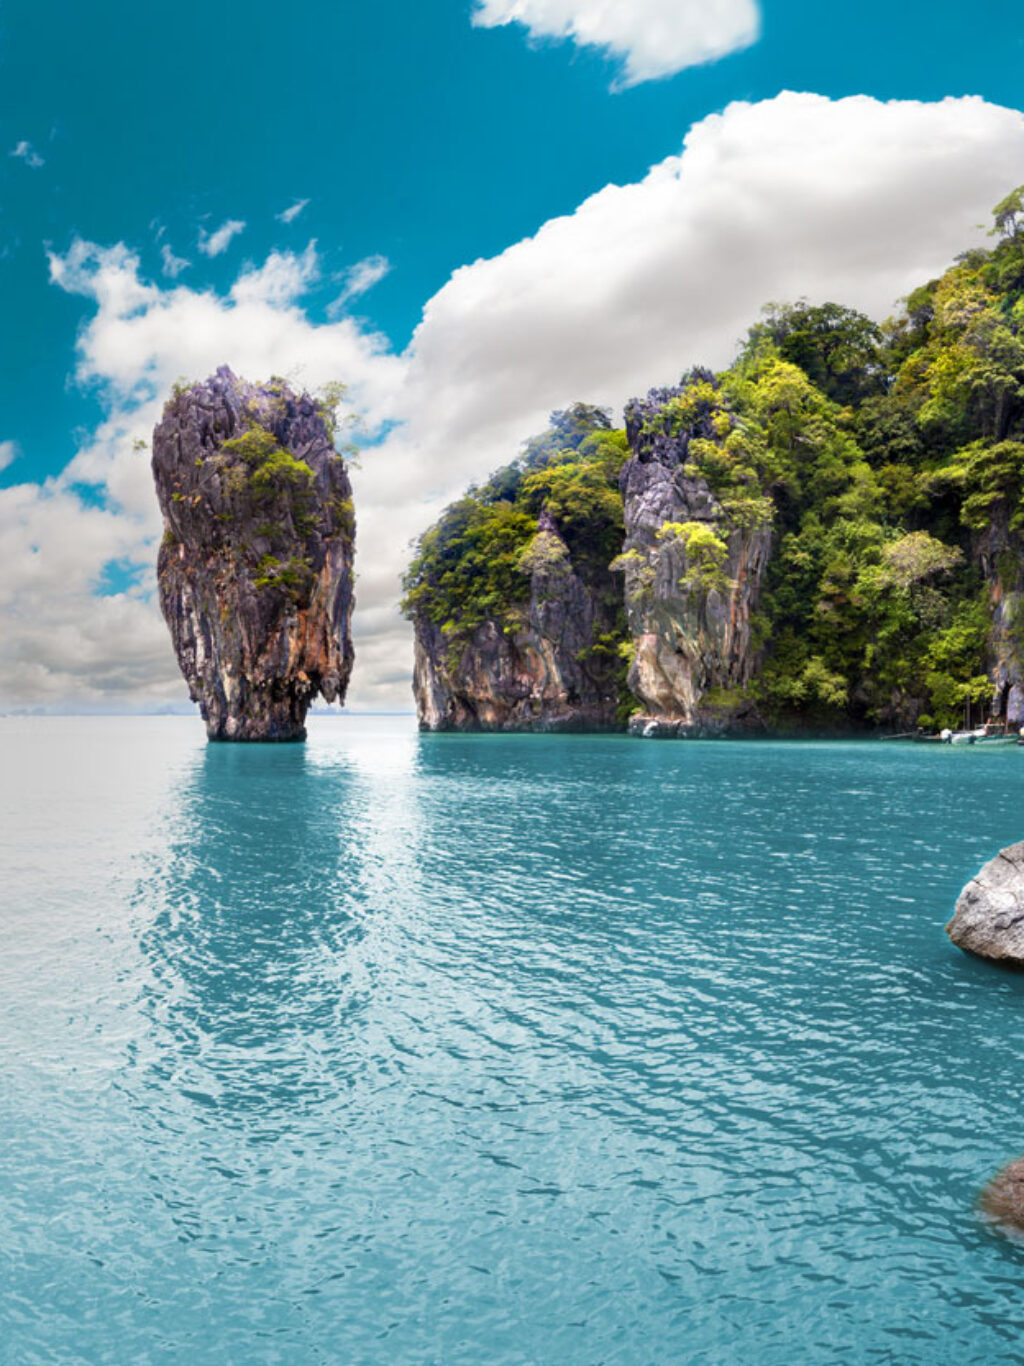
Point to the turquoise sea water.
(391, 1049)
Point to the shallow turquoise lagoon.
(396, 1050)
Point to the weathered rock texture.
(1003, 1198)
(534, 669)
(1000, 555)
(989, 916)
(255, 569)
(691, 628)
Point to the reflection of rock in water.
(276, 865)
(1003, 1198)
(256, 912)
(989, 916)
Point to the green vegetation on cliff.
(474, 565)
(895, 463)
(887, 461)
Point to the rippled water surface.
(391, 1049)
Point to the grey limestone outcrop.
(1003, 1198)
(255, 568)
(531, 670)
(989, 916)
(694, 651)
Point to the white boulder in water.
(989, 916)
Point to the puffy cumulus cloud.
(8, 453)
(143, 337)
(284, 276)
(214, 243)
(67, 639)
(852, 200)
(64, 641)
(109, 276)
(653, 38)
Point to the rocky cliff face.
(255, 569)
(692, 581)
(535, 668)
(1000, 555)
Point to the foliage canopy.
(888, 462)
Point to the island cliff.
(827, 537)
(255, 567)
(692, 571)
(531, 668)
(999, 552)
(518, 619)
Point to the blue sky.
(428, 141)
(413, 134)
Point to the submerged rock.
(1003, 1198)
(989, 916)
(255, 568)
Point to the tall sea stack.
(255, 568)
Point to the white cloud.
(143, 337)
(62, 641)
(65, 640)
(852, 200)
(359, 278)
(653, 38)
(107, 275)
(8, 453)
(281, 279)
(290, 214)
(172, 265)
(213, 243)
(25, 152)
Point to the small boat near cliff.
(982, 735)
(993, 733)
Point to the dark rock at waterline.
(1003, 1198)
(989, 916)
(255, 568)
